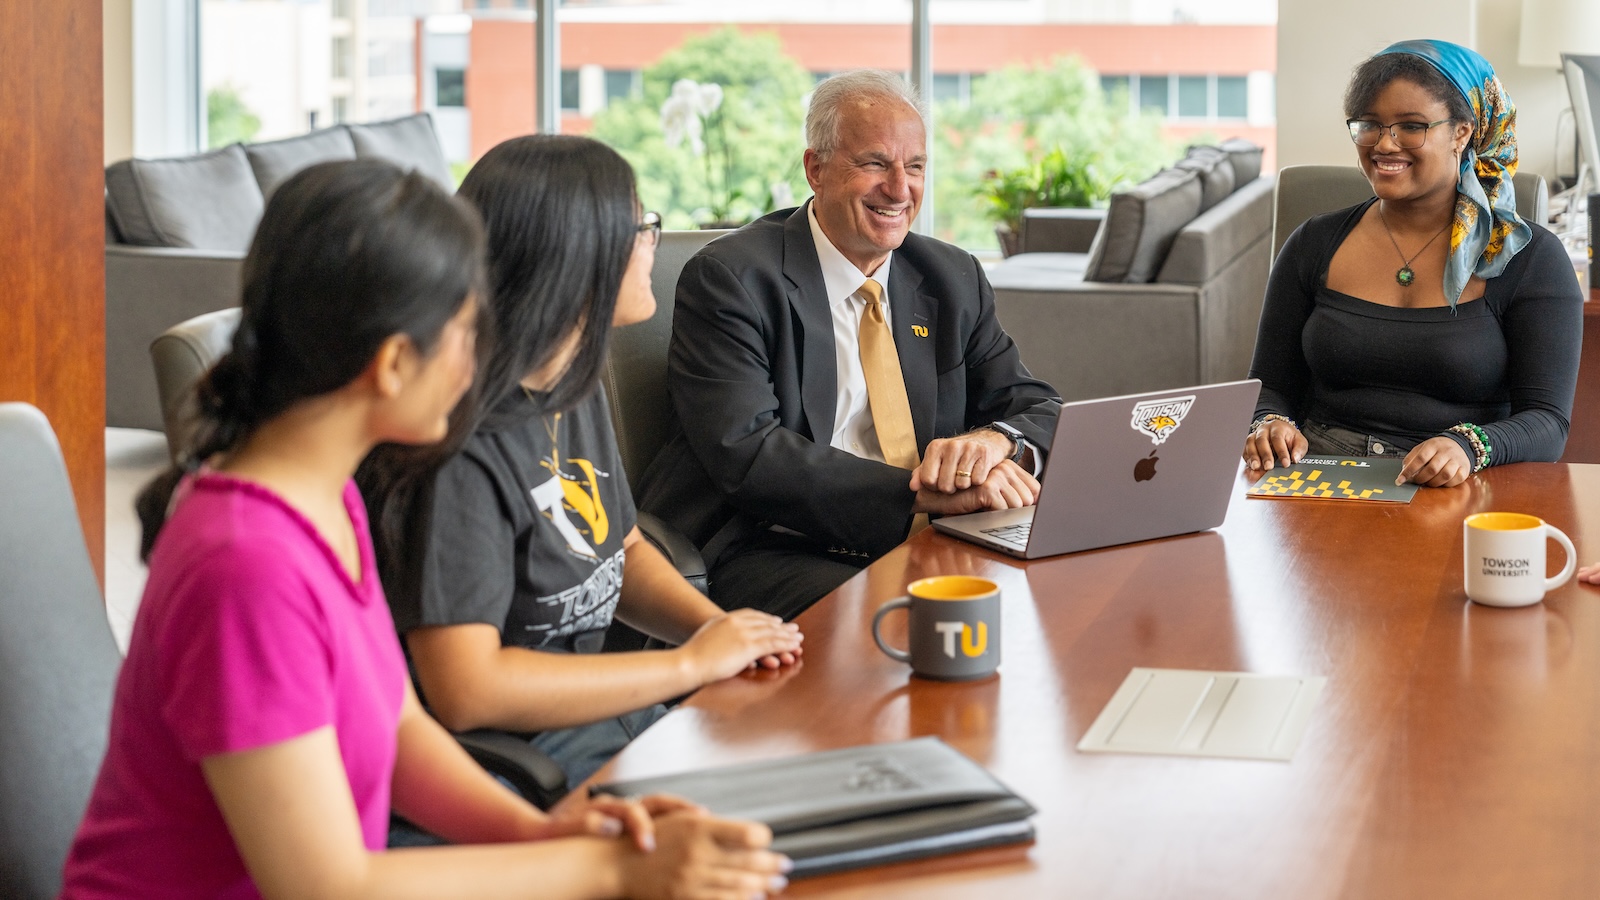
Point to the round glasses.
(1406, 135)
(650, 229)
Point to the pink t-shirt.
(250, 633)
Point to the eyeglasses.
(1407, 135)
(650, 228)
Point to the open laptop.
(1124, 469)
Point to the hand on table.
(950, 465)
(606, 816)
(1276, 442)
(1006, 486)
(1589, 574)
(734, 641)
(706, 858)
(1436, 462)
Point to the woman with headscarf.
(1431, 320)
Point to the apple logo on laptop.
(1145, 469)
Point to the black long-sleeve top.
(1507, 363)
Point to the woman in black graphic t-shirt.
(506, 560)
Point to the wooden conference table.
(1455, 751)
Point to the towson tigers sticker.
(1160, 418)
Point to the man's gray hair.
(830, 96)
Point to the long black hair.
(561, 212)
(347, 255)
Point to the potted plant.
(1055, 179)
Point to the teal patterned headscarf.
(1487, 231)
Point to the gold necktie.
(886, 389)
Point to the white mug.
(1505, 558)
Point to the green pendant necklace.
(1405, 276)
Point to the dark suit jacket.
(751, 373)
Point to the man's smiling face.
(869, 188)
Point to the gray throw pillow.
(409, 142)
(1140, 225)
(208, 201)
(1246, 160)
(274, 161)
(1215, 171)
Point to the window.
(341, 57)
(621, 84)
(1233, 97)
(1194, 94)
(450, 87)
(950, 86)
(1153, 93)
(571, 90)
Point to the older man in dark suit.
(836, 378)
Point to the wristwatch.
(1017, 439)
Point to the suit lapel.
(808, 298)
(912, 318)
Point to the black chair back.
(636, 373)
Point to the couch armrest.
(148, 290)
(537, 777)
(1059, 229)
(679, 550)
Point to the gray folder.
(861, 806)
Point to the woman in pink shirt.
(263, 724)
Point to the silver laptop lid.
(1141, 466)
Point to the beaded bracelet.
(1481, 448)
(1271, 417)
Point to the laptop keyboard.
(1014, 535)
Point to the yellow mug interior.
(951, 587)
(1504, 521)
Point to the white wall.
(117, 34)
(1540, 95)
(1318, 45)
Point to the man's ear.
(813, 166)
(392, 366)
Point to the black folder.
(861, 806)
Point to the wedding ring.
(961, 474)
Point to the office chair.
(58, 661)
(1306, 191)
(185, 352)
(636, 382)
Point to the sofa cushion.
(409, 142)
(1217, 237)
(274, 161)
(209, 201)
(1140, 225)
(1215, 171)
(1246, 160)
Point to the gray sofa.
(1163, 289)
(177, 230)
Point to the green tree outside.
(228, 119)
(1018, 115)
(761, 112)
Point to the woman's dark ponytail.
(347, 255)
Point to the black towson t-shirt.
(527, 526)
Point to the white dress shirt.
(853, 430)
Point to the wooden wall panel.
(52, 234)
